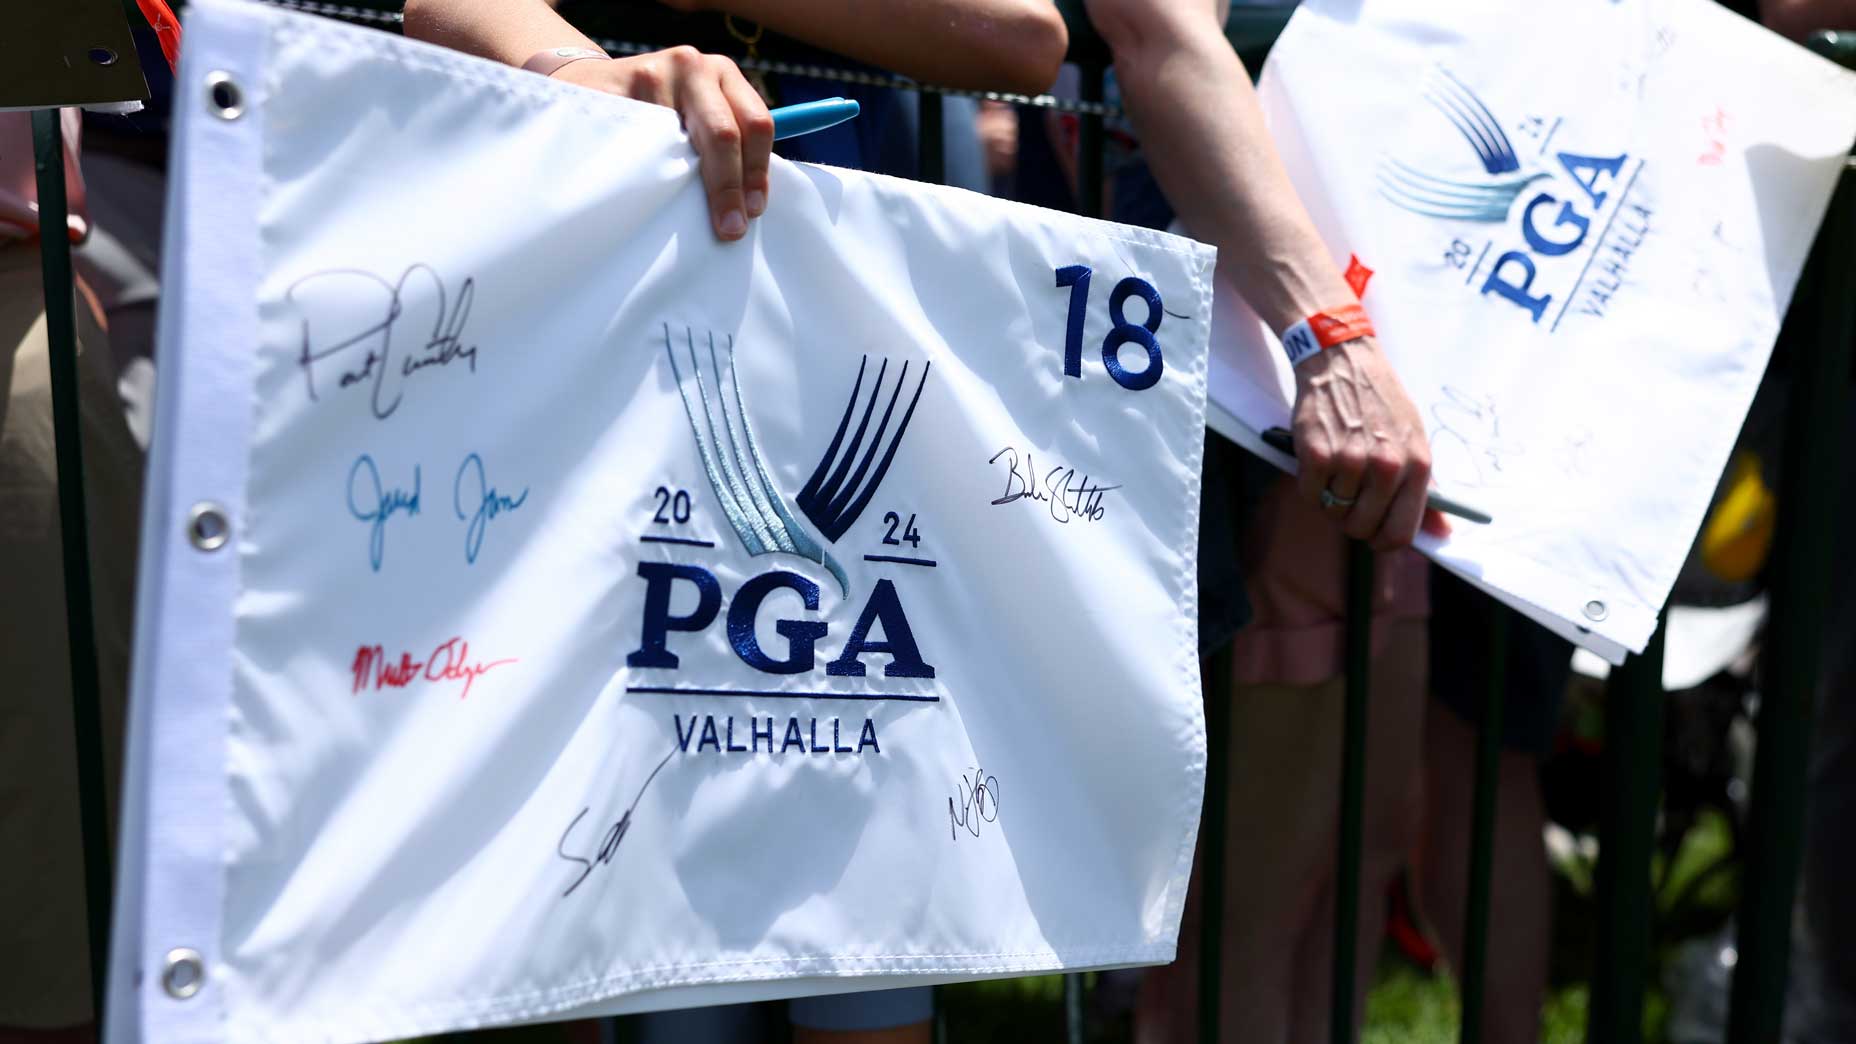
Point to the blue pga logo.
(1554, 208)
(852, 468)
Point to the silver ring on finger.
(1330, 500)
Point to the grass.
(1408, 1006)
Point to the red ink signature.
(1357, 275)
(1715, 127)
(449, 662)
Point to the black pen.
(1280, 439)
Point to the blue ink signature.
(380, 504)
(486, 501)
(1472, 422)
(443, 347)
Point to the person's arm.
(1357, 434)
(727, 122)
(987, 45)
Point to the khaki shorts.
(43, 926)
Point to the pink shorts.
(1295, 570)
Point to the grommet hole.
(184, 974)
(207, 527)
(224, 97)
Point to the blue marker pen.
(790, 121)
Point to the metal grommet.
(1595, 610)
(207, 528)
(223, 96)
(101, 56)
(185, 973)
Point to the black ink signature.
(979, 801)
(1472, 423)
(1068, 496)
(443, 347)
(1471, 448)
(609, 846)
(485, 500)
(378, 504)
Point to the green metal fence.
(1800, 599)
(86, 710)
(1800, 590)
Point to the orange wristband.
(1325, 330)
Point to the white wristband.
(1302, 341)
(1299, 344)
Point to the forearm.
(508, 31)
(1203, 133)
(727, 122)
(1360, 445)
(978, 44)
(1012, 45)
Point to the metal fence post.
(1073, 1008)
(1631, 779)
(61, 338)
(1352, 786)
(931, 166)
(931, 141)
(1217, 675)
(1794, 637)
(1089, 202)
(1089, 145)
(1482, 830)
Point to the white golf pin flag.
(549, 610)
(1577, 228)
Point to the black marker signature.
(1470, 445)
(444, 346)
(377, 503)
(485, 501)
(1068, 496)
(615, 833)
(979, 801)
(1473, 424)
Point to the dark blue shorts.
(1539, 664)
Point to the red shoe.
(1402, 925)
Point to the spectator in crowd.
(1535, 674)
(1281, 829)
(997, 126)
(1013, 45)
(1364, 465)
(1358, 437)
(45, 995)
